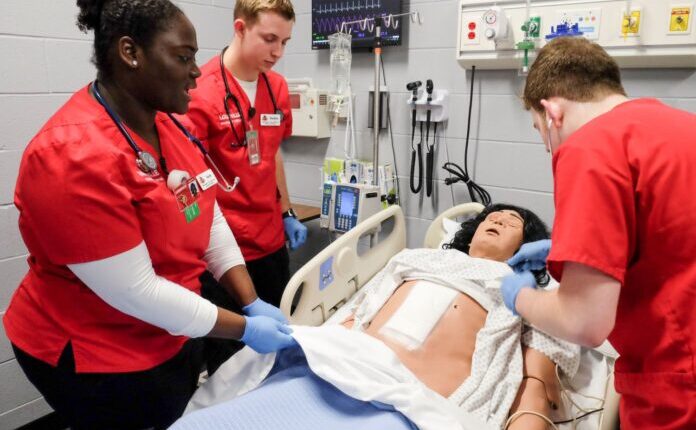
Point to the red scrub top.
(82, 198)
(253, 209)
(625, 195)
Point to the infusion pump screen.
(347, 202)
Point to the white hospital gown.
(496, 370)
(364, 368)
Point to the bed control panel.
(326, 276)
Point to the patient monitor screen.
(347, 202)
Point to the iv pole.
(377, 49)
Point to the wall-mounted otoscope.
(415, 188)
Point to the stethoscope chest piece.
(146, 162)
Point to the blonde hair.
(249, 10)
(573, 68)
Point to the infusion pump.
(309, 114)
(343, 206)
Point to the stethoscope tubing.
(238, 106)
(138, 150)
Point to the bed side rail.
(329, 279)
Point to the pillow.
(451, 227)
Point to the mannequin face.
(498, 236)
(263, 43)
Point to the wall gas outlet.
(534, 28)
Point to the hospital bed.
(319, 291)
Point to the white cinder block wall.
(45, 59)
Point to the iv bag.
(340, 48)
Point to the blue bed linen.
(294, 398)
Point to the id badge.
(186, 199)
(270, 120)
(206, 179)
(252, 138)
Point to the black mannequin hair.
(534, 229)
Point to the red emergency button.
(472, 26)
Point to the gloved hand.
(264, 334)
(296, 232)
(531, 256)
(260, 308)
(512, 285)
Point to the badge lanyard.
(145, 161)
(251, 137)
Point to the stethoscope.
(145, 161)
(252, 111)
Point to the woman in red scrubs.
(624, 236)
(118, 212)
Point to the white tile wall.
(25, 413)
(11, 244)
(22, 391)
(45, 58)
(23, 114)
(13, 270)
(16, 79)
(5, 346)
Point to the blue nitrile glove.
(512, 285)
(296, 232)
(260, 308)
(531, 256)
(264, 334)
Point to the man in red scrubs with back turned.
(624, 235)
(241, 112)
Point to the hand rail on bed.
(330, 278)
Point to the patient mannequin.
(495, 234)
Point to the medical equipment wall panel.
(637, 33)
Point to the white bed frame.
(350, 271)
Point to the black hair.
(112, 19)
(533, 229)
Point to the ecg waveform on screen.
(328, 15)
(348, 6)
(332, 24)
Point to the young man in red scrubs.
(117, 209)
(624, 236)
(241, 112)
